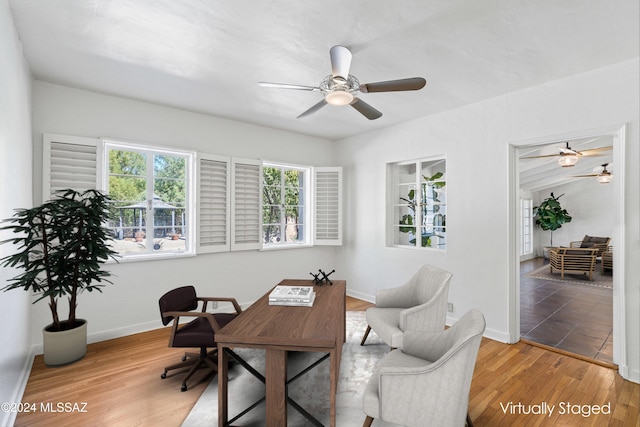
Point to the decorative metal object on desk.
(324, 279)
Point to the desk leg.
(223, 363)
(276, 387)
(334, 374)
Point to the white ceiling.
(207, 55)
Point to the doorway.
(543, 310)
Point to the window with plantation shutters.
(213, 203)
(70, 162)
(328, 206)
(169, 202)
(245, 204)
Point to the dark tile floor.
(574, 318)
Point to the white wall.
(131, 304)
(15, 191)
(475, 140)
(591, 206)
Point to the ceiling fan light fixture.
(605, 178)
(339, 97)
(567, 160)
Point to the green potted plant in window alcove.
(61, 248)
(550, 216)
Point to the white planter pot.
(61, 348)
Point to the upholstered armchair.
(600, 243)
(427, 383)
(420, 304)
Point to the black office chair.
(198, 333)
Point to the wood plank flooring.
(120, 382)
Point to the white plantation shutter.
(328, 206)
(213, 203)
(70, 162)
(246, 204)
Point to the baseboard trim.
(9, 417)
(361, 296)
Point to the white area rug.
(311, 391)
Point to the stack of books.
(292, 295)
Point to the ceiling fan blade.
(541, 157)
(288, 86)
(569, 151)
(586, 176)
(313, 109)
(414, 83)
(595, 151)
(365, 109)
(340, 61)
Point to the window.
(285, 213)
(526, 226)
(169, 202)
(150, 191)
(417, 204)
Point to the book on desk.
(299, 296)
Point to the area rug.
(600, 280)
(311, 391)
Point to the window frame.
(396, 200)
(189, 206)
(526, 226)
(307, 206)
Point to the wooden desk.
(279, 329)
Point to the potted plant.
(430, 189)
(61, 247)
(550, 216)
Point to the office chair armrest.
(233, 301)
(177, 314)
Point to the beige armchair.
(420, 304)
(427, 383)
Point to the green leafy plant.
(61, 246)
(407, 222)
(550, 215)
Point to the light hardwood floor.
(120, 382)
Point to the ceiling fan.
(604, 176)
(341, 88)
(569, 157)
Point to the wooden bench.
(580, 260)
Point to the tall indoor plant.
(61, 247)
(550, 215)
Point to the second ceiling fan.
(341, 88)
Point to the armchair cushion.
(198, 332)
(386, 323)
(591, 241)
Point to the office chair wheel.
(184, 358)
(184, 387)
(163, 375)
